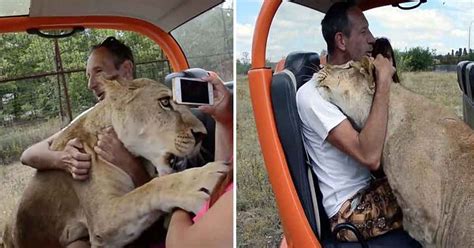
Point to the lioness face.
(350, 87)
(161, 129)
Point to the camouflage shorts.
(373, 210)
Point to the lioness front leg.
(124, 218)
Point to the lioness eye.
(165, 103)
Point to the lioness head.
(150, 124)
(350, 87)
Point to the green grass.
(258, 223)
(257, 217)
(14, 140)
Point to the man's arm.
(71, 159)
(367, 146)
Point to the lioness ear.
(112, 88)
(369, 68)
(109, 84)
(138, 83)
(365, 63)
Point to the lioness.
(56, 210)
(428, 154)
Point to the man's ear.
(340, 41)
(127, 69)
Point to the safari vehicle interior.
(273, 93)
(157, 20)
(465, 73)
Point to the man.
(341, 156)
(113, 60)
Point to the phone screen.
(192, 91)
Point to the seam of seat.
(315, 200)
(292, 77)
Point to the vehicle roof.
(323, 5)
(167, 15)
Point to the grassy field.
(14, 140)
(258, 224)
(257, 217)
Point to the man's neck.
(338, 58)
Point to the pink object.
(205, 208)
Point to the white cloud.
(294, 28)
(297, 28)
(434, 28)
(427, 20)
(459, 33)
(244, 33)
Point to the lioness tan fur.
(56, 210)
(428, 154)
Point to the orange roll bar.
(167, 43)
(297, 230)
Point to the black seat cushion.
(303, 65)
(468, 96)
(287, 120)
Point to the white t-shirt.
(340, 176)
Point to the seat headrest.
(190, 73)
(303, 65)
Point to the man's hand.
(112, 150)
(384, 71)
(75, 160)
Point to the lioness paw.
(197, 185)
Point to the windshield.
(43, 79)
(207, 40)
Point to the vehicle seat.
(299, 68)
(465, 71)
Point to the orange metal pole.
(260, 34)
(164, 40)
(297, 230)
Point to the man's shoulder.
(308, 93)
(306, 89)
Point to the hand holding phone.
(192, 91)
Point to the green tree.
(207, 41)
(418, 59)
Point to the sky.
(440, 25)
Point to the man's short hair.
(336, 20)
(119, 51)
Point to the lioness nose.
(198, 136)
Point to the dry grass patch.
(258, 223)
(442, 88)
(14, 140)
(13, 180)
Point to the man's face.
(101, 63)
(360, 41)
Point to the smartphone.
(192, 91)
